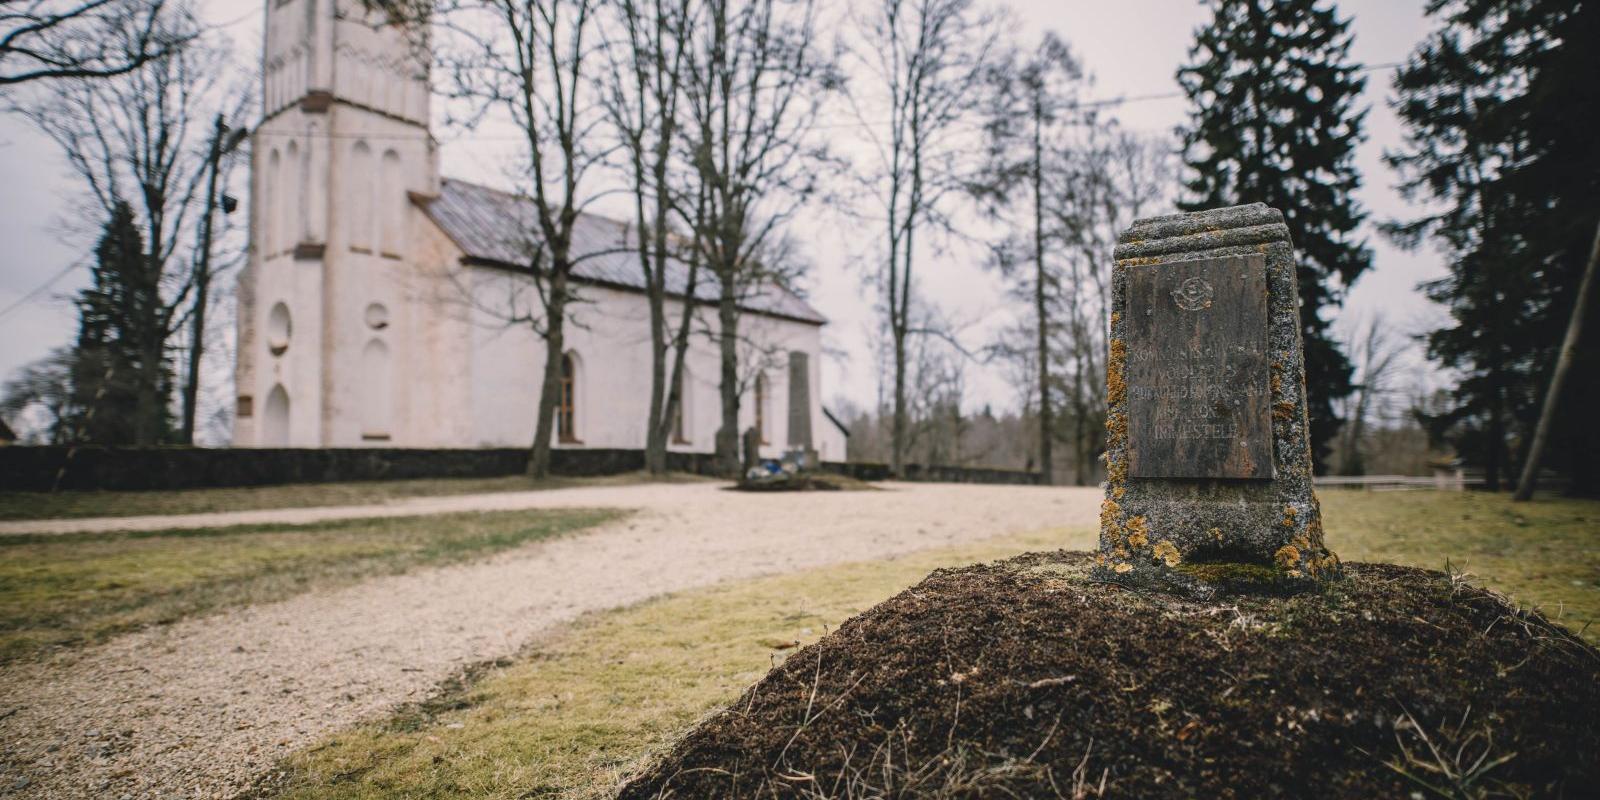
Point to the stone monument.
(1208, 457)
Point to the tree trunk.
(655, 446)
(1552, 395)
(897, 445)
(727, 443)
(550, 390)
(1046, 428)
(202, 287)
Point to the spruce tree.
(1501, 108)
(122, 379)
(1274, 121)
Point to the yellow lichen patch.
(1167, 552)
(1108, 513)
(1116, 382)
(1138, 262)
(1283, 412)
(1138, 532)
(1287, 556)
(1116, 317)
(1277, 383)
(1289, 514)
(1116, 471)
(1216, 534)
(1116, 429)
(1119, 492)
(1123, 567)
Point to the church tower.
(342, 147)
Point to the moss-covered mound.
(1027, 679)
(805, 482)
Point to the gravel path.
(197, 709)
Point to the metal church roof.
(492, 227)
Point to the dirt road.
(197, 709)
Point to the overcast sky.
(1132, 47)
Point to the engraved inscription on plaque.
(1199, 400)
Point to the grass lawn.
(56, 505)
(66, 590)
(580, 710)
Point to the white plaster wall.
(609, 332)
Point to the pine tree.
(1274, 121)
(122, 379)
(1501, 109)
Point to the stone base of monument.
(1029, 678)
(1208, 456)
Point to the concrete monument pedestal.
(1207, 451)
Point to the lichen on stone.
(1116, 380)
(1287, 556)
(1167, 552)
(1138, 529)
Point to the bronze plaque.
(1199, 400)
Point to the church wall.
(372, 278)
(610, 335)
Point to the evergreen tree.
(1501, 109)
(1274, 121)
(121, 376)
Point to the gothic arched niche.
(288, 197)
(279, 328)
(390, 205)
(358, 197)
(269, 222)
(376, 397)
(275, 418)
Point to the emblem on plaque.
(1193, 294)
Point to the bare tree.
(927, 60)
(51, 39)
(1376, 355)
(142, 138)
(1033, 102)
(757, 81)
(45, 384)
(1111, 177)
(530, 61)
(644, 98)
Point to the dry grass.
(59, 505)
(1544, 554)
(584, 708)
(59, 591)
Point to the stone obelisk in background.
(1208, 456)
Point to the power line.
(1088, 104)
(35, 293)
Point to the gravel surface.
(199, 708)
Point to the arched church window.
(300, 207)
(275, 420)
(288, 197)
(279, 327)
(567, 409)
(376, 397)
(390, 205)
(358, 198)
(761, 406)
(680, 432)
(269, 214)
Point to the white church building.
(373, 308)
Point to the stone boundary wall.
(871, 471)
(165, 468)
